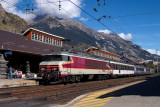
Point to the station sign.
(8, 53)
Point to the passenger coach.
(121, 69)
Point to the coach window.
(127, 68)
(117, 67)
(122, 67)
(114, 66)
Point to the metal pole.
(157, 60)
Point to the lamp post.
(157, 60)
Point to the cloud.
(45, 7)
(83, 19)
(105, 31)
(50, 7)
(9, 7)
(153, 51)
(126, 36)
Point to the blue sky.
(142, 27)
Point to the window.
(102, 54)
(99, 54)
(37, 37)
(59, 43)
(46, 39)
(117, 67)
(92, 52)
(56, 58)
(33, 35)
(55, 42)
(40, 38)
(95, 52)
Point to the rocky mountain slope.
(11, 22)
(82, 37)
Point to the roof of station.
(20, 43)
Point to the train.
(73, 67)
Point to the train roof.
(138, 66)
(77, 54)
(84, 55)
(121, 63)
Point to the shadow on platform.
(151, 87)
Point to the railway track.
(60, 94)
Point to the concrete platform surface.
(6, 83)
(145, 93)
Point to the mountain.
(53, 25)
(82, 37)
(11, 22)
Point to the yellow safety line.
(91, 103)
(97, 105)
(92, 100)
(86, 99)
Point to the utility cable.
(137, 14)
(93, 17)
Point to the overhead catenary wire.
(114, 19)
(92, 17)
(66, 12)
(104, 16)
(112, 9)
(137, 14)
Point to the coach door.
(68, 64)
(119, 67)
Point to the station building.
(101, 53)
(25, 51)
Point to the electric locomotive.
(73, 67)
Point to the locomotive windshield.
(56, 58)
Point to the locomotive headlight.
(54, 69)
(42, 69)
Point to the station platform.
(97, 99)
(6, 83)
(143, 93)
